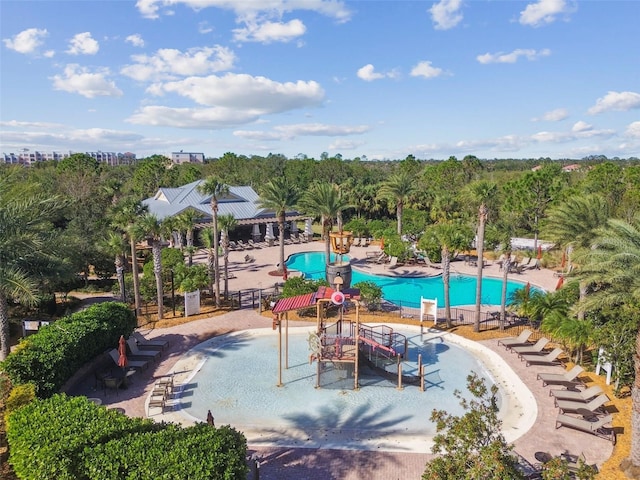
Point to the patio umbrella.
(539, 252)
(210, 418)
(560, 282)
(269, 233)
(122, 352)
(294, 226)
(563, 263)
(285, 273)
(308, 227)
(381, 243)
(256, 232)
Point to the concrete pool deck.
(283, 463)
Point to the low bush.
(70, 438)
(53, 355)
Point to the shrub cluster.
(70, 438)
(54, 354)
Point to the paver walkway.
(301, 464)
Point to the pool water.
(237, 382)
(406, 291)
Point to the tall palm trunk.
(281, 219)
(506, 265)
(446, 263)
(136, 275)
(157, 271)
(482, 218)
(216, 256)
(399, 209)
(225, 252)
(326, 229)
(119, 263)
(634, 455)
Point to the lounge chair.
(531, 349)
(594, 406)
(393, 263)
(137, 364)
(586, 425)
(550, 358)
(380, 258)
(566, 378)
(244, 246)
(253, 244)
(137, 352)
(518, 341)
(152, 344)
(577, 395)
(235, 246)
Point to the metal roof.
(295, 303)
(242, 202)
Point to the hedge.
(70, 438)
(54, 354)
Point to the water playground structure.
(341, 347)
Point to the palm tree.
(481, 194)
(186, 221)
(326, 200)
(150, 227)
(227, 223)
(279, 195)
(25, 238)
(209, 242)
(116, 245)
(400, 187)
(450, 237)
(611, 270)
(574, 223)
(214, 187)
(124, 216)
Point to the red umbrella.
(563, 263)
(285, 273)
(382, 243)
(539, 252)
(560, 282)
(122, 352)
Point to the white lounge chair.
(393, 263)
(586, 425)
(566, 378)
(595, 405)
(535, 348)
(518, 341)
(576, 395)
(550, 358)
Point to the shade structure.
(560, 283)
(122, 352)
(269, 233)
(308, 227)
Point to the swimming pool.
(406, 291)
(237, 375)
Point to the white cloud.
(83, 44)
(26, 41)
(214, 117)
(343, 144)
(633, 130)
(246, 92)
(446, 14)
(513, 57)
(368, 73)
(169, 63)
(290, 132)
(80, 80)
(49, 54)
(204, 27)
(18, 124)
(543, 12)
(554, 115)
(267, 32)
(274, 8)
(424, 69)
(581, 127)
(620, 101)
(135, 40)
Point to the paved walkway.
(299, 464)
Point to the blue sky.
(374, 79)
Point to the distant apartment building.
(187, 157)
(28, 157)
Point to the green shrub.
(370, 294)
(71, 438)
(20, 395)
(50, 357)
